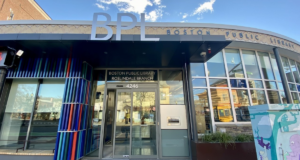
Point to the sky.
(280, 16)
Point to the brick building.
(22, 10)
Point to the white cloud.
(184, 15)
(135, 6)
(155, 14)
(157, 2)
(101, 6)
(207, 6)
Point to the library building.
(134, 90)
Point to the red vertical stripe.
(70, 117)
(74, 146)
(87, 93)
(79, 121)
(68, 70)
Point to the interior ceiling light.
(105, 52)
(144, 53)
(209, 50)
(182, 53)
(20, 53)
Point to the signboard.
(132, 75)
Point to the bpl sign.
(119, 26)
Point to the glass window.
(17, 113)
(241, 104)
(292, 87)
(251, 65)
(197, 82)
(234, 63)
(294, 70)
(265, 65)
(202, 111)
(273, 97)
(280, 86)
(287, 69)
(215, 66)
(46, 112)
(221, 105)
(171, 87)
(298, 88)
(283, 97)
(295, 97)
(275, 67)
(258, 97)
(218, 82)
(298, 66)
(197, 69)
(238, 83)
(255, 84)
(270, 84)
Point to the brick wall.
(236, 128)
(23, 10)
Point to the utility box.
(276, 131)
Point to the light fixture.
(209, 50)
(105, 52)
(19, 53)
(182, 53)
(144, 53)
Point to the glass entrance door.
(135, 124)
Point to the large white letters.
(119, 25)
(105, 25)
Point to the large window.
(287, 69)
(202, 111)
(221, 105)
(241, 103)
(251, 65)
(215, 66)
(266, 65)
(234, 63)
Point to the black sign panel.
(132, 75)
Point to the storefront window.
(270, 84)
(46, 115)
(221, 105)
(255, 84)
(292, 87)
(218, 82)
(17, 113)
(258, 97)
(294, 70)
(251, 65)
(266, 65)
(280, 86)
(202, 111)
(197, 69)
(234, 63)
(273, 97)
(287, 69)
(171, 87)
(215, 66)
(295, 97)
(197, 82)
(238, 83)
(275, 67)
(283, 97)
(241, 103)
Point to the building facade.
(70, 97)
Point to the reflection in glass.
(270, 84)
(251, 65)
(143, 124)
(294, 70)
(171, 87)
(202, 111)
(218, 82)
(283, 97)
(258, 97)
(199, 82)
(266, 65)
(273, 97)
(241, 103)
(298, 67)
(238, 83)
(17, 113)
(287, 69)
(46, 115)
(295, 97)
(292, 87)
(275, 67)
(122, 131)
(215, 66)
(221, 105)
(255, 84)
(234, 63)
(280, 86)
(197, 69)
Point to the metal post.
(2, 79)
(283, 76)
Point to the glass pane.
(17, 113)
(171, 87)
(273, 97)
(283, 97)
(266, 65)
(251, 65)
(292, 87)
(221, 105)
(258, 97)
(95, 119)
(298, 88)
(238, 83)
(270, 84)
(197, 69)
(46, 112)
(241, 103)
(122, 132)
(199, 82)
(275, 67)
(202, 111)
(295, 97)
(298, 67)
(255, 84)
(215, 66)
(280, 86)
(218, 82)
(295, 72)
(234, 63)
(287, 70)
(143, 124)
